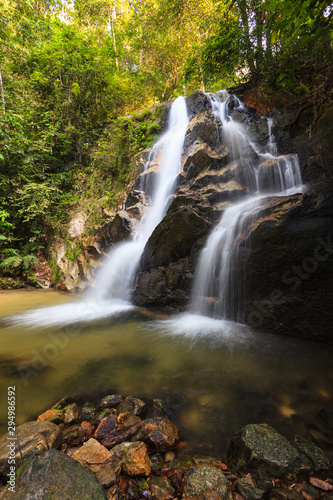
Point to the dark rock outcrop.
(290, 267)
(287, 259)
(260, 449)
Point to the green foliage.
(73, 251)
(75, 75)
(19, 265)
(10, 284)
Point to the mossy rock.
(55, 476)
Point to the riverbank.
(130, 449)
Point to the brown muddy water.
(214, 376)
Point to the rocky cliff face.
(288, 262)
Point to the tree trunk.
(113, 17)
(202, 85)
(2, 95)
(245, 20)
(6, 126)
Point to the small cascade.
(219, 284)
(114, 280)
(272, 149)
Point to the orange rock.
(136, 460)
(92, 452)
(123, 416)
(53, 415)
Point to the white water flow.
(115, 279)
(219, 284)
(111, 293)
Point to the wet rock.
(164, 436)
(54, 416)
(205, 126)
(260, 449)
(92, 452)
(88, 412)
(30, 437)
(111, 401)
(317, 458)
(55, 475)
(98, 459)
(71, 413)
(107, 425)
(134, 406)
(161, 488)
(136, 460)
(122, 417)
(285, 494)
(118, 451)
(133, 491)
(63, 402)
(197, 102)
(295, 233)
(248, 490)
(131, 420)
(122, 434)
(183, 226)
(200, 156)
(156, 461)
(105, 413)
(207, 478)
(77, 434)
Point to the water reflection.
(215, 376)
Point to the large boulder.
(261, 450)
(29, 438)
(57, 476)
(289, 269)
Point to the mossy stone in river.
(316, 456)
(134, 406)
(260, 449)
(207, 478)
(247, 489)
(55, 476)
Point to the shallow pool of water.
(215, 376)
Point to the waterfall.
(219, 283)
(111, 293)
(114, 280)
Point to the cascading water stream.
(111, 292)
(219, 284)
(114, 280)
